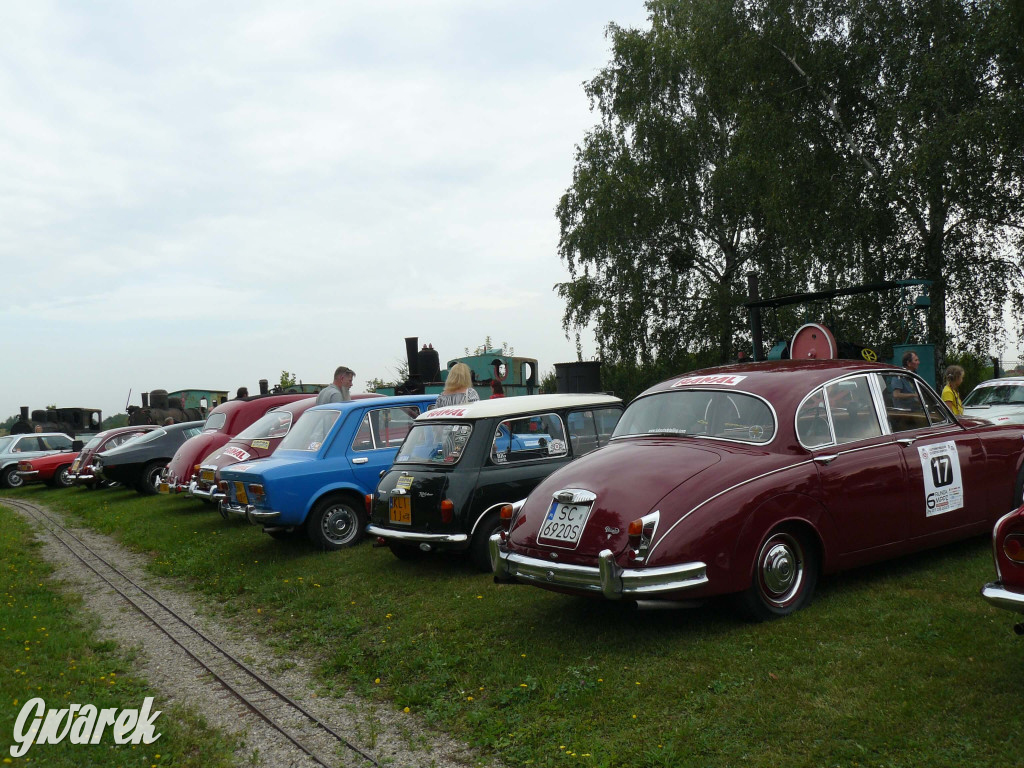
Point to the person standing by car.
(954, 377)
(497, 390)
(903, 391)
(458, 387)
(338, 390)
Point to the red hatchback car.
(224, 422)
(1008, 550)
(754, 479)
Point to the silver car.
(1000, 401)
(15, 448)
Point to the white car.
(1000, 401)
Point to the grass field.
(49, 650)
(898, 665)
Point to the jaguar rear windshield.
(215, 421)
(699, 413)
(434, 443)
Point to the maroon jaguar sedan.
(1008, 551)
(754, 479)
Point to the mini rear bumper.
(1001, 597)
(249, 512)
(608, 578)
(416, 536)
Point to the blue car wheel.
(336, 522)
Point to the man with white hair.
(338, 391)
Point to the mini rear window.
(434, 443)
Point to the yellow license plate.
(400, 510)
(74, 465)
(206, 475)
(240, 494)
(164, 488)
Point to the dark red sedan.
(754, 479)
(1008, 550)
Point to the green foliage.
(488, 347)
(288, 380)
(117, 420)
(814, 145)
(549, 382)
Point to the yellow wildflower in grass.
(469, 698)
(376, 681)
(406, 709)
(522, 685)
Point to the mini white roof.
(516, 406)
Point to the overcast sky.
(201, 195)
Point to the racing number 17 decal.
(943, 483)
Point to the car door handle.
(908, 441)
(825, 459)
(360, 460)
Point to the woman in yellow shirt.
(953, 377)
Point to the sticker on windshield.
(264, 444)
(943, 483)
(721, 379)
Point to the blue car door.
(377, 440)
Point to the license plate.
(74, 465)
(206, 475)
(164, 488)
(400, 510)
(240, 494)
(564, 523)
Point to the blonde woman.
(458, 387)
(953, 377)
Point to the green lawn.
(48, 649)
(898, 665)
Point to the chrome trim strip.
(654, 546)
(438, 538)
(1001, 597)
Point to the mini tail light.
(447, 510)
(1013, 547)
(369, 503)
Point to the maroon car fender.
(801, 511)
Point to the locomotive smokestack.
(145, 399)
(412, 355)
(264, 387)
(24, 413)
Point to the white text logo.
(83, 724)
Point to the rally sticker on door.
(943, 483)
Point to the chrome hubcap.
(781, 569)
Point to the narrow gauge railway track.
(257, 694)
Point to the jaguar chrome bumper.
(431, 538)
(249, 512)
(608, 578)
(1001, 597)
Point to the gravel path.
(393, 738)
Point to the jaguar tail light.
(1013, 547)
(510, 514)
(641, 533)
(447, 510)
(195, 469)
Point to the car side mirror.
(77, 445)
